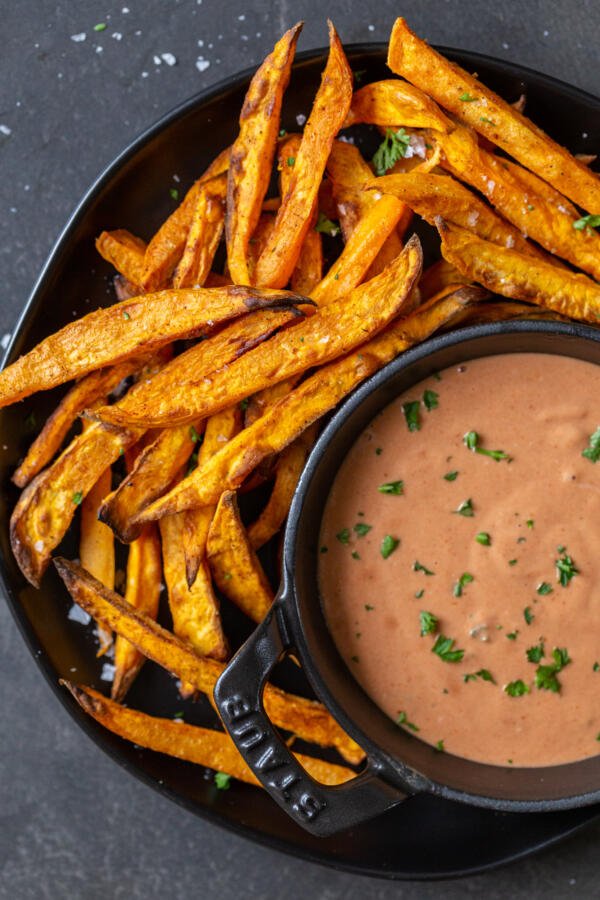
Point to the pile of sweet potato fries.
(272, 344)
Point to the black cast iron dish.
(399, 764)
(424, 837)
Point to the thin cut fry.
(195, 611)
(278, 259)
(303, 406)
(441, 195)
(204, 234)
(220, 428)
(165, 249)
(253, 152)
(514, 275)
(125, 252)
(289, 468)
(394, 102)
(306, 718)
(129, 328)
(151, 475)
(83, 394)
(234, 564)
(203, 746)
(533, 206)
(142, 591)
(491, 116)
(332, 331)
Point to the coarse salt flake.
(169, 58)
(108, 672)
(77, 614)
(5, 340)
(78, 38)
(4, 129)
(117, 36)
(300, 118)
(202, 64)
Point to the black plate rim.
(91, 729)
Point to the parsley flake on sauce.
(465, 508)
(428, 622)
(528, 615)
(451, 476)
(403, 720)
(440, 746)
(484, 674)
(471, 441)
(512, 635)
(418, 567)
(596, 667)
(565, 568)
(544, 588)
(388, 545)
(593, 451)
(411, 415)
(361, 528)
(343, 536)
(465, 578)
(419, 594)
(368, 607)
(587, 222)
(516, 688)
(392, 148)
(222, 780)
(430, 400)
(535, 654)
(545, 675)
(391, 487)
(483, 538)
(444, 647)
(355, 555)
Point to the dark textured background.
(72, 824)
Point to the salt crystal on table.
(169, 58)
(116, 35)
(78, 37)
(5, 340)
(202, 64)
(4, 129)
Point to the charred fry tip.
(441, 225)
(121, 683)
(91, 705)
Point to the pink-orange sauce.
(525, 690)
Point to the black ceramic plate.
(425, 837)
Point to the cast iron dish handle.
(317, 808)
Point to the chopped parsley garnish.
(343, 536)
(430, 400)
(101, 26)
(512, 635)
(324, 549)
(535, 654)
(354, 659)
(513, 562)
(179, 714)
(466, 98)
(326, 226)
(392, 148)
(174, 193)
(419, 594)
(593, 451)
(391, 487)
(484, 674)
(378, 451)
(388, 545)
(355, 555)
(411, 414)
(77, 497)
(516, 688)
(361, 528)
(596, 667)
(465, 508)
(282, 132)
(486, 120)
(291, 160)
(245, 403)
(528, 615)
(194, 436)
(465, 578)
(359, 74)
(545, 675)
(587, 222)
(126, 316)
(192, 463)
(444, 647)
(530, 523)
(544, 588)
(451, 476)
(565, 568)
(418, 567)
(440, 746)
(368, 607)
(222, 780)
(429, 623)
(471, 441)
(403, 720)
(483, 538)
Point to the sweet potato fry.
(437, 277)
(203, 746)
(195, 610)
(165, 249)
(151, 475)
(394, 102)
(532, 205)
(491, 116)
(97, 545)
(504, 311)
(309, 268)
(260, 402)
(514, 275)
(253, 152)
(372, 230)
(142, 591)
(83, 394)
(234, 564)
(127, 329)
(306, 718)
(198, 364)
(125, 252)
(288, 470)
(441, 195)
(332, 331)
(220, 428)
(204, 234)
(278, 259)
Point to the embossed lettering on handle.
(319, 809)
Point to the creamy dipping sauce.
(461, 588)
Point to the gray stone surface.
(72, 824)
